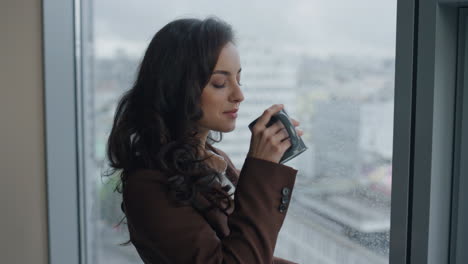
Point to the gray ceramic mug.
(297, 145)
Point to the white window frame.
(62, 132)
(426, 214)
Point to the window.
(341, 87)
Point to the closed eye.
(224, 85)
(219, 86)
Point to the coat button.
(282, 208)
(284, 200)
(285, 191)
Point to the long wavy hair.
(154, 126)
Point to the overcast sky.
(318, 27)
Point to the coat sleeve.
(163, 233)
(276, 260)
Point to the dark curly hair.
(154, 125)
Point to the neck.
(202, 137)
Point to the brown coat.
(163, 233)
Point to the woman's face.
(223, 92)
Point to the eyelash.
(222, 86)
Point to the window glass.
(330, 63)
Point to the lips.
(232, 111)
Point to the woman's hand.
(270, 143)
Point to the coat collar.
(231, 172)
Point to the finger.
(285, 144)
(267, 114)
(284, 133)
(299, 131)
(276, 127)
(281, 135)
(295, 122)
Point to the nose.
(237, 95)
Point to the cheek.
(209, 106)
(212, 100)
(212, 110)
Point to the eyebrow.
(225, 72)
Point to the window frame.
(435, 84)
(459, 231)
(423, 153)
(62, 133)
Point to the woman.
(178, 190)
